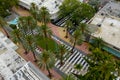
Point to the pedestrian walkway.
(70, 60)
(75, 58)
(58, 31)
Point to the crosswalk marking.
(70, 60)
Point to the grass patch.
(52, 45)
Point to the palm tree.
(2, 24)
(17, 37)
(68, 25)
(46, 33)
(61, 51)
(66, 8)
(102, 66)
(27, 24)
(31, 23)
(31, 45)
(23, 25)
(44, 15)
(98, 42)
(46, 61)
(34, 10)
(69, 77)
(76, 38)
(83, 27)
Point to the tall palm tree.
(61, 51)
(31, 45)
(44, 15)
(27, 24)
(102, 66)
(76, 38)
(68, 25)
(22, 25)
(98, 42)
(83, 27)
(69, 77)
(46, 33)
(17, 37)
(2, 24)
(46, 61)
(34, 10)
(31, 24)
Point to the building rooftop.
(51, 5)
(13, 66)
(10, 61)
(29, 72)
(7, 42)
(108, 24)
(111, 9)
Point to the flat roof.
(13, 66)
(29, 72)
(111, 9)
(52, 5)
(108, 22)
(7, 42)
(109, 30)
(10, 61)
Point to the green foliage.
(84, 11)
(41, 15)
(95, 4)
(44, 15)
(6, 5)
(2, 22)
(67, 7)
(97, 42)
(27, 24)
(102, 66)
(46, 61)
(69, 77)
(51, 43)
(77, 10)
(61, 50)
(13, 26)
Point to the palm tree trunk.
(6, 32)
(46, 44)
(26, 52)
(73, 46)
(61, 62)
(49, 74)
(34, 54)
(66, 36)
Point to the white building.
(51, 5)
(12, 65)
(108, 22)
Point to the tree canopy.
(77, 10)
(6, 5)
